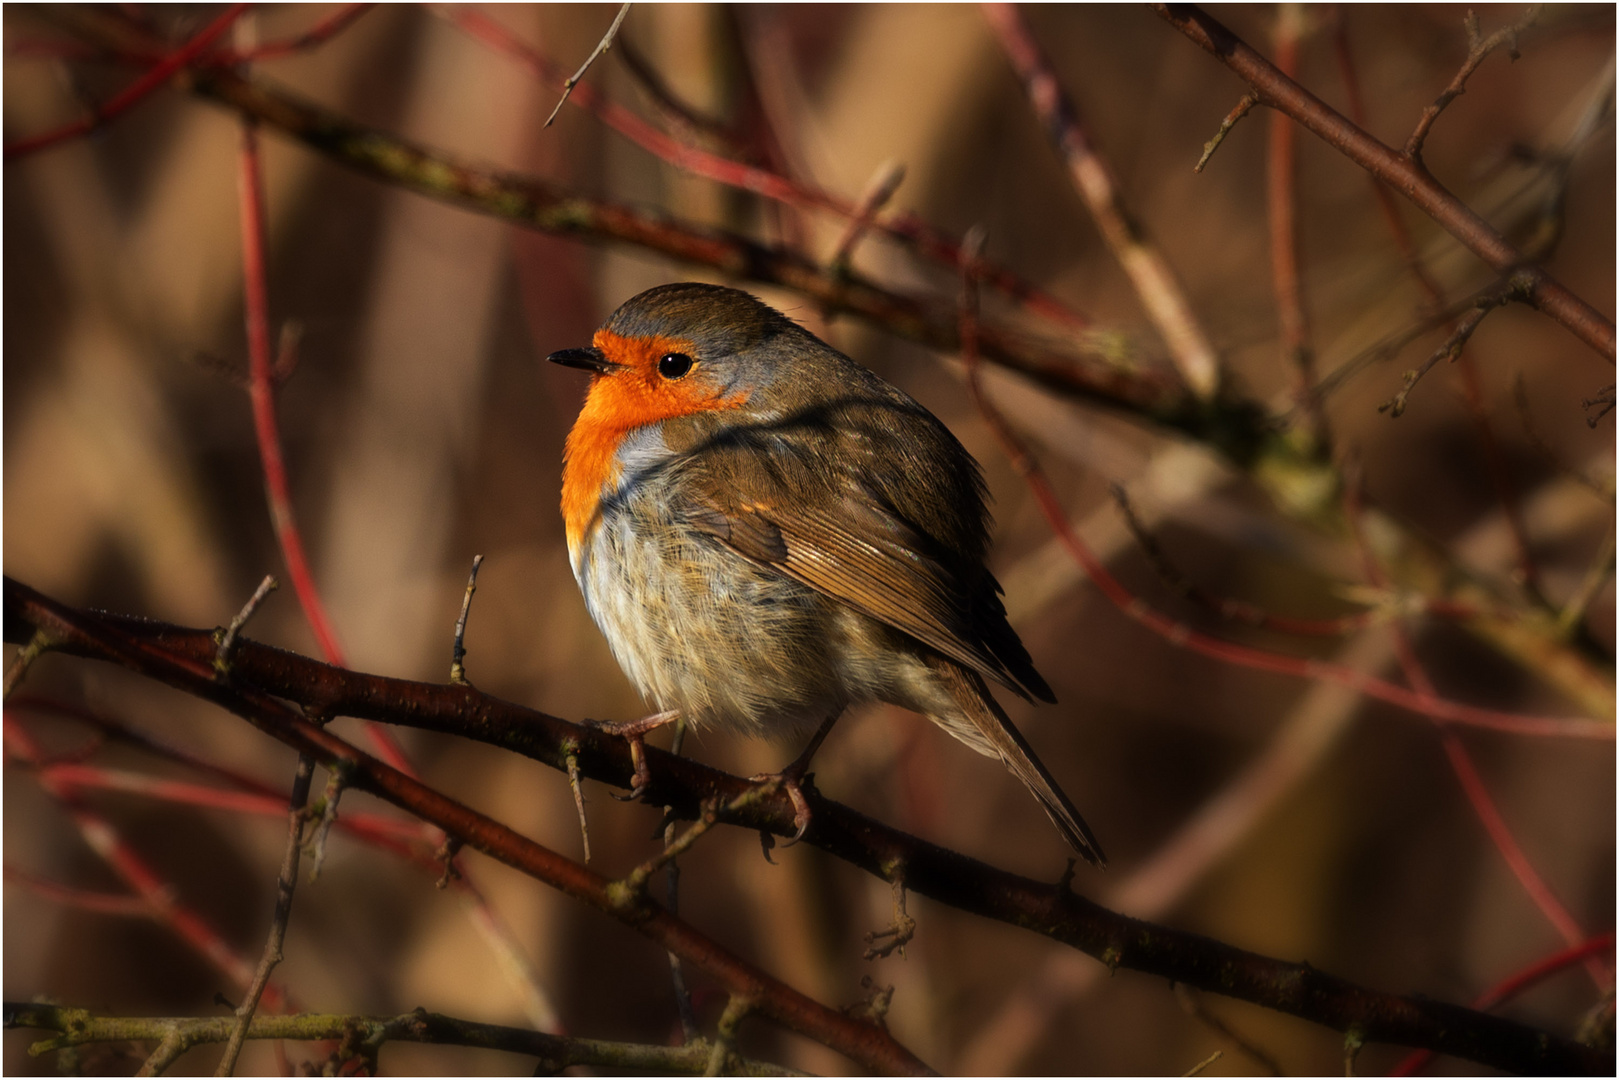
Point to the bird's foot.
(792, 780)
(635, 732)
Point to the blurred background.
(421, 427)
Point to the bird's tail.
(992, 733)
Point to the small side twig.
(227, 641)
(601, 47)
(1602, 401)
(1520, 396)
(286, 885)
(1478, 49)
(458, 654)
(570, 758)
(1200, 1067)
(1452, 348)
(1240, 110)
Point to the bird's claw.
(634, 732)
(793, 785)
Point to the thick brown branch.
(172, 654)
(1402, 174)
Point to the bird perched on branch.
(767, 532)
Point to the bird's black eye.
(674, 365)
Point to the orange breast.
(617, 404)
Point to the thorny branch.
(180, 657)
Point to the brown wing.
(854, 549)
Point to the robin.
(767, 532)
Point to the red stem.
(132, 94)
(261, 388)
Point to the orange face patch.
(618, 403)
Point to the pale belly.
(733, 645)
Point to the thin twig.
(1434, 300)
(571, 764)
(1477, 50)
(1453, 345)
(1238, 111)
(458, 654)
(1520, 395)
(601, 47)
(1602, 401)
(286, 884)
(228, 641)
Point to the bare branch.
(1477, 50)
(601, 47)
(1277, 91)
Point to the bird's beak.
(589, 359)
